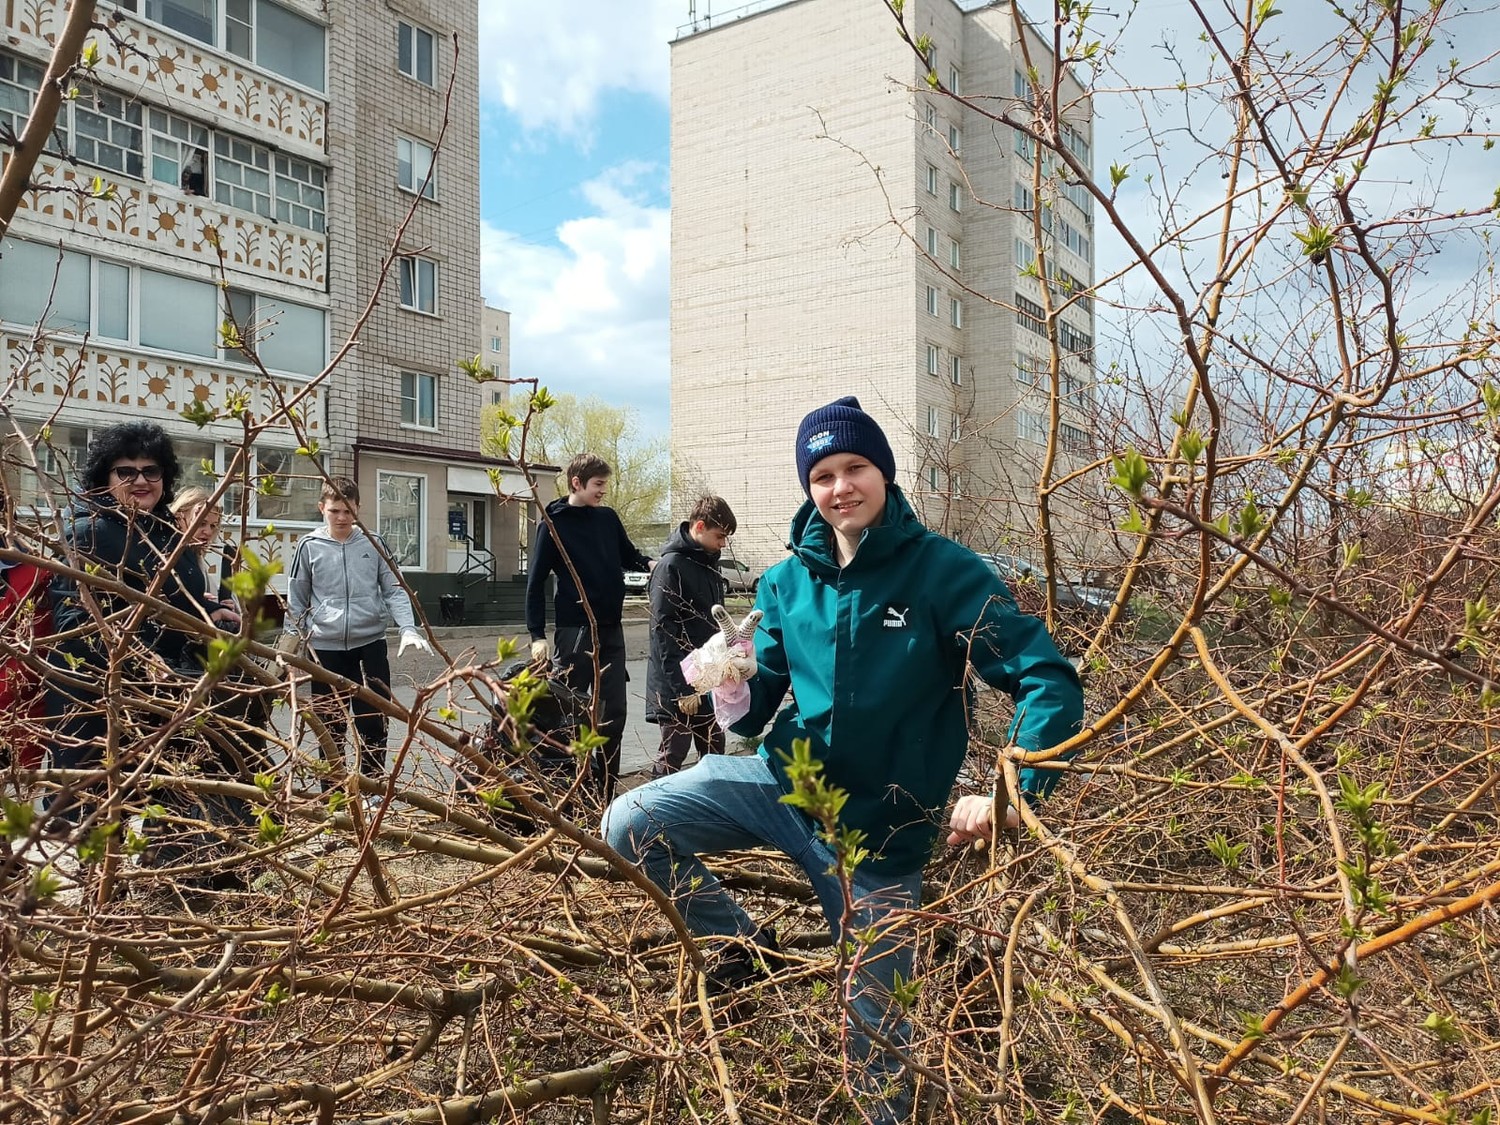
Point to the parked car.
(1027, 582)
(636, 581)
(739, 577)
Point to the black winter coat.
(132, 551)
(685, 586)
(601, 552)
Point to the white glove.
(688, 704)
(541, 651)
(410, 638)
(741, 668)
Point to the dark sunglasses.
(128, 473)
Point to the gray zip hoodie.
(339, 594)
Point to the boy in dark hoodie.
(685, 586)
(585, 545)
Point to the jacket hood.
(812, 538)
(680, 542)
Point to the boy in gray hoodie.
(339, 593)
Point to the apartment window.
(932, 243)
(956, 370)
(414, 171)
(1073, 340)
(107, 133)
(1073, 439)
(953, 138)
(1025, 255)
(934, 478)
(416, 53)
(956, 487)
(495, 343)
(932, 421)
(418, 400)
(22, 303)
(284, 336)
(954, 200)
(19, 83)
(932, 301)
(400, 516)
(111, 300)
(1031, 427)
(932, 359)
(1023, 88)
(1076, 143)
(929, 115)
(1073, 238)
(1025, 148)
(1078, 195)
(1025, 201)
(294, 486)
(956, 431)
(953, 79)
(258, 31)
(299, 193)
(932, 180)
(1073, 286)
(1030, 370)
(179, 152)
(242, 175)
(1031, 316)
(497, 398)
(956, 312)
(419, 284)
(953, 254)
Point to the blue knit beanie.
(842, 427)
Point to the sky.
(575, 187)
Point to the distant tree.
(641, 482)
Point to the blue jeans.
(728, 803)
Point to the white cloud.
(550, 65)
(589, 314)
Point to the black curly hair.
(129, 440)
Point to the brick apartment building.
(840, 228)
(296, 134)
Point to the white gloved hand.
(689, 704)
(741, 668)
(541, 650)
(410, 638)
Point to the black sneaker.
(740, 962)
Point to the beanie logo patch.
(820, 441)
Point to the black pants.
(575, 659)
(680, 735)
(371, 665)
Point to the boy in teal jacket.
(871, 624)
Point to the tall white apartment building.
(260, 157)
(840, 227)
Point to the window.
(932, 178)
(1030, 370)
(414, 166)
(299, 193)
(111, 300)
(285, 336)
(1031, 427)
(1031, 316)
(19, 82)
(934, 478)
(932, 301)
(400, 516)
(242, 175)
(929, 115)
(1025, 201)
(416, 53)
(1025, 255)
(1073, 340)
(1073, 238)
(107, 132)
(956, 431)
(285, 488)
(932, 243)
(956, 370)
(953, 139)
(179, 152)
(956, 312)
(954, 200)
(419, 284)
(1072, 286)
(495, 343)
(1024, 146)
(258, 31)
(953, 79)
(1073, 439)
(932, 359)
(58, 459)
(418, 400)
(1076, 143)
(68, 298)
(1022, 88)
(955, 487)
(932, 422)
(1079, 196)
(953, 255)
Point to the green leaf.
(92, 849)
(1118, 174)
(1130, 473)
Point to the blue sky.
(574, 193)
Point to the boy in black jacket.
(685, 586)
(591, 542)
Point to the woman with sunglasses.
(121, 528)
